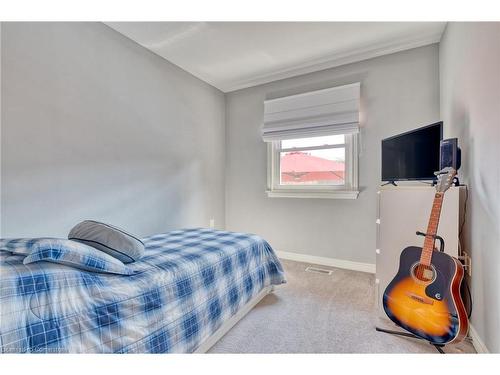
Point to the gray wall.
(399, 92)
(95, 126)
(470, 107)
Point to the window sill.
(340, 194)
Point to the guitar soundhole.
(423, 273)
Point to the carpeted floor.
(318, 313)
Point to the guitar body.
(426, 301)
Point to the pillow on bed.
(108, 238)
(20, 246)
(77, 255)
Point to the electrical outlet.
(212, 223)
(467, 262)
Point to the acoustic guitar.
(424, 296)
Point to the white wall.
(470, 106)
(95, 126)
(398, 92)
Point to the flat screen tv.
(413, 155)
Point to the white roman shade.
(323, 112)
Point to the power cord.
(466, 284)
(465, 211)
(469, 313)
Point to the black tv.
(413, 155)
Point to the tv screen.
(413, 155)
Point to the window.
(316, 167)
(312, 141)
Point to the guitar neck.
(432, 227)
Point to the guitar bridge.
(420, 299)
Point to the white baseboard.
(477, 342)
(331, 262)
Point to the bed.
(190, 287)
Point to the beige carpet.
(317, 313)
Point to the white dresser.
(402, 210)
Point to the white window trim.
(347, 191)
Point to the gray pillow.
(108, 238)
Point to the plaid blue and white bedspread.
(188, 283)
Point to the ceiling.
(235, 55)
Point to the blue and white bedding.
(188, 283)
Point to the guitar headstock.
(445, 179)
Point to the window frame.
(349, 190)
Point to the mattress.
(188, 283)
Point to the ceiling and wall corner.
(236, 55)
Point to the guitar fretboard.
(425, 257)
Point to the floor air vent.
(319, 270)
